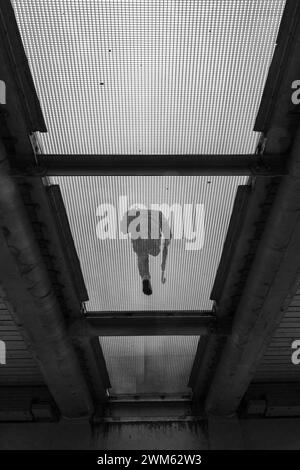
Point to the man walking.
(146, 228)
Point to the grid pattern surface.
(149, 76)
(110, 265)
(149, 364)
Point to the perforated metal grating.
(149, 76)
(149, 365)
(110, 266)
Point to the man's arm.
(167, 234)
(124, 224)
(166, 230)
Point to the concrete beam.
(143, 324)
(72, 165)
(49, 210)
(254, 279)
(29, 290)
(270, 285)
(250, 211)
(21, 114)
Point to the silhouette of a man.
(146, 228)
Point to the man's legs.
(143, 265)
(144, 248)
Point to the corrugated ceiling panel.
(149, 76)
(110, 266)
(149, 365)
(20, 367)
(276, 365)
